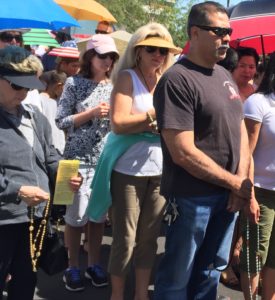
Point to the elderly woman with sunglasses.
(28, 164)
(137, 206)
(83, 113)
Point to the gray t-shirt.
(192, 98)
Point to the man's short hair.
(104, 27)
(199, 13)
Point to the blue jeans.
(197, 244)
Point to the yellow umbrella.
(86, 10)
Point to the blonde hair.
(28, 65)
(130, 57)
(19, 59)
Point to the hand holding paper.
(66, 176)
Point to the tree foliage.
(132, 14)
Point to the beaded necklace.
(36, 243)
(258, 263)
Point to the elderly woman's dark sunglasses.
(152, 49)
(219, 31)
(8, 37)
(15, 86)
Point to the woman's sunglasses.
(219, 31)
(111, 55)
(18, 87)
(152, 49)
(8, 37)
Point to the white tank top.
(143, 158)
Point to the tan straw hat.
(159, 42)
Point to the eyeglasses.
(111, 55)
(219, 31)
(152, 49)
(97, 31)
(18, 87)
(8, 37)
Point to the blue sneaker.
(72, 279)
(97, 275)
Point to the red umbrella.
(254, 21)
(252, 18)
(262, 43)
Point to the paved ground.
(52, 288)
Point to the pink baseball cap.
(102, 43)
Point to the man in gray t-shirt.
(206, 160)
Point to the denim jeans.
(197, 244)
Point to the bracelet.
(149, 117)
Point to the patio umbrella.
(39, 37)
(86, 10)
(34, 14)
(121, 38)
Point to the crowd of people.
(188, 142)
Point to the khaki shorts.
(76, 215)
(266, 200)
(137, 212)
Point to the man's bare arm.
(185, 154)
(236, 203)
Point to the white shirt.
(261, 108)
(143, 158)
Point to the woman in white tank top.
(137, 206)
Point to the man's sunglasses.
(152, 49)
(97, 31)
(219, 31)
(111, 55)
(8, 37)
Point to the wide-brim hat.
(26, 80)
(70, 52)
(160, 42)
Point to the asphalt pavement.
(52, 287)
